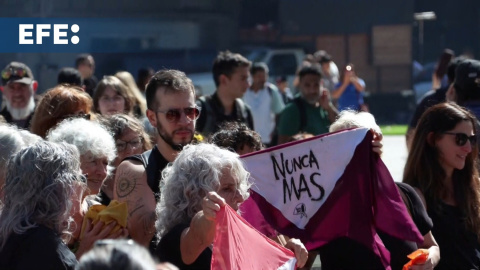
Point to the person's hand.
(427, 265)
(211, 204)
(96, 232)
(346, 78)
(325, 102)
(166, 266)
(301, 253)
(377, 145)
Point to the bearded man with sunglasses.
(19, 88)
(172, 111)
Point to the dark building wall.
(313, 17)
(457, 27)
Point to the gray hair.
(196, 171)
(11, 141)
(116, 255)
(39, 186)
(87, 136)
(353, 119)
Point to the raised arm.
(131, 187)
(196, 238)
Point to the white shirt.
(265, 105)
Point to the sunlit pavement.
(395, 155)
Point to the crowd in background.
(171, 159)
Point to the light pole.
(420, 17)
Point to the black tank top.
(459, 247)
(154, 163)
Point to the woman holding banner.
(399, 249)
(442, 167)
(202, 179)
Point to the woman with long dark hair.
(441, 166)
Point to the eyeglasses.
(462, 138)
(16, 72)
(135, 143)
(174, 115)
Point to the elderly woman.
(96, 146)
(11, 141)
(202, 179)
(97, 151)
(130, 139)
(41, 182)
(59, 103)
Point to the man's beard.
(169, 140)
(21, 113)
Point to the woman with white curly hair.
(201, 180)
(40, 185)
(95, 144)
(97, 151)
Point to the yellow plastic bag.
(115, 211)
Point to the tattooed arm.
(131, 187)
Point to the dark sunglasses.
(462, 138)
(16, 72)
(174, 115)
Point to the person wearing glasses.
(19, 88)
(42, 181)
(59, 103)
(172, 111)
(441, 166)
(130, 139)
(111, 97)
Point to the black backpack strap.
(142, 158)
(209, 115)
(149, 162)
(243, 109)
(153, 172)
(303, 113)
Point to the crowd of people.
(174, 159)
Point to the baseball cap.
(17, 72)
(467, 76)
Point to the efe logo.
(25, 33)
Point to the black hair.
(258, 66)
(70, 76)
(226, 63)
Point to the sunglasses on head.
(462, 138)
(15, 72)
(174, 115)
